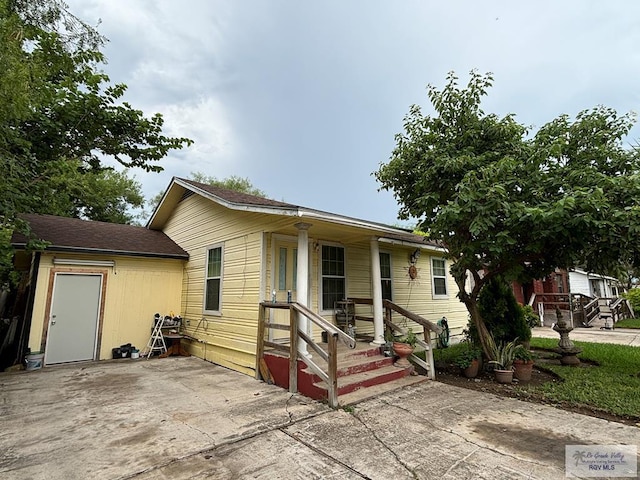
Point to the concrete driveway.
(620, 336)
(184, 418)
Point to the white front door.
(73, 321)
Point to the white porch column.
(376, 288)
(302, 281)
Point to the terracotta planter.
(472, 370)
(503, 376)
(522, 370)
(403, 350)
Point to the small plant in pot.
(523, 364)
(403, 347)
(503, 357)
(469, 361)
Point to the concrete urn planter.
(403, 350)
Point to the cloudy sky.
(304, 98)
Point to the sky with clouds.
(304, 98)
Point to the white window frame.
(206, 278)
(434, 277)
(326, 311)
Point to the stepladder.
(156, 342)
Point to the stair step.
(361, 394)
(350, 383)
(356, 364)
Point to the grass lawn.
(613, 385)
(628, 323)
(610, 384)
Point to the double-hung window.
(213, 280)
(333, 276)
(385, 275)
(439, 277)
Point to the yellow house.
(95, 287)
(246, 250)
(233, 265)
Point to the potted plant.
(403, 347)
(503, 357)
(523, 364)
(469, 361)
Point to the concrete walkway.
(184, 418)
(621, 336)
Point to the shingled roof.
(237, 199)
(75, 235)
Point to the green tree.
(504, 203)
(60, 117)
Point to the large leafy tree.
(508, 203)
(60, 117)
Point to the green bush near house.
(633, 296)
(531, 318)
(504, 317)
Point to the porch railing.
(621, 309)
(585, 309)
(428, 327)
(330, 356)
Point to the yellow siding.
(248, 240)
(230, 338)
(416, 295)
(136, 288)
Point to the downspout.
(26, 323)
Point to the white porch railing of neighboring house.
(582, 308)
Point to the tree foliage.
(60, 117)
(502, 314)
(507, 203)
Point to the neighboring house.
(95, 287)
(580, 295)
(593, 285)
(213, 255)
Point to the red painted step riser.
(372, 352)
(279, 367)
(363, 367)
(373, 381)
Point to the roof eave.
(101, 251)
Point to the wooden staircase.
(362, 373)
(342, 366)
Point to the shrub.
(633, 296)
(503, 316)
(530, 316)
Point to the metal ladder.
(156, 342)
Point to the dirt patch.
(450, 374)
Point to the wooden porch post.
(376, 289)
(293, 353)
(302, 282)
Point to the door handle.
(53, 319)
